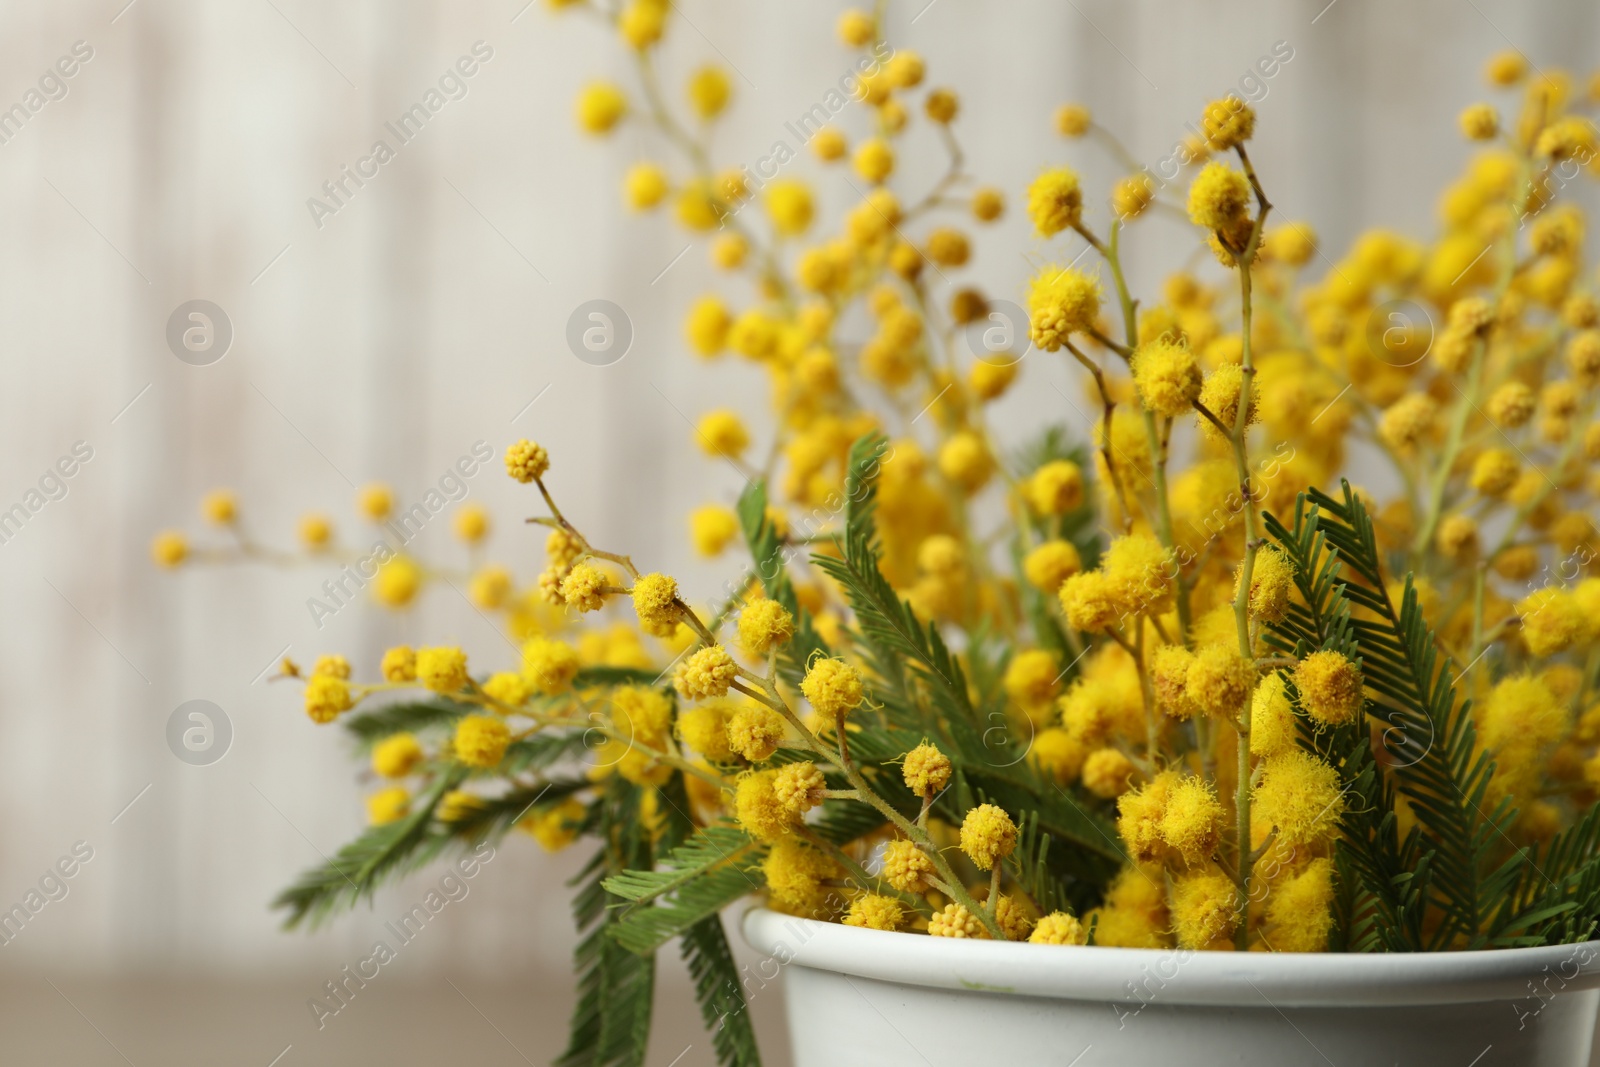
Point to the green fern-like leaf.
(718, 991)
(712, 847)
(645, 929)
(361, 866)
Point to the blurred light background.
(430, 313)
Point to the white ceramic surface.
(863, 997)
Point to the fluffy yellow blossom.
(1219, 197)
(1061, 301)
(1191, 820)
(856, 28)
(1227, 122)
(926, 771)
(490, 588)
(1090, 602)
(315, 530)
(988, 203)
(1205, 908)
(1271, 581)
(1130, 196)
(481, 740)
(1299, 796)
(1033, 679)
(1107, 773)
(1300, 909)
(550, 665)
(987, 835)
(709, 90)
(1220, 396)
(1552, 621)
(397, 582)
(1058, 928)
(388, 805)
(1272, 722)
(1140, 572)
(220, 507)
(1055, 201)
(907, 867)
(966, 461)
(585, 588)
(1073, 120)
(873, 911)
(874, 160)
(1169, 677)
(829, 144)
(169, 548)
(1408, 421)
(1050, 564)
(644, 186)
(1055, 488)
(712, 528)
(1293, 243)
(790, 206)
(758, 808)
(1506, 68)
(326, 697)
(526, 461)
(1480, 122)
(1494, 472)
(1510, 405)
(799, 786)
(557, 825)
(794, 873)
(704, 728)
(396, 756)
(471, 523)
(1330, 688)
(1220, 680)
(833, 687)
(458, 805)
(601, 105)
(399, 664)
(755, 732)
(957, 921)
(332, 666)
(706, 673)
(443, 670)
(509, 688)
(655, 600)
(1167, 376)
(764, 625)
(1139, 815)
(707, 326)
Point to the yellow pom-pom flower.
(326, 697)
(1058, 928)
(1205, 908)
(388, 805)
(1061, 301)
(755, 732)
(1330, 688)
(169, 548)
(956, 921)
(481, 740)
(712, 528)
(396, 756)
(1167, 376)
(549, 665)
(1219, 197)
(758, 809)
(397, 583)
(833, 687)
(988, 835)
(601, 105)
(926, 771)
(655, 599)
(443, 670)
(1055, 201)
(765, 625)
(1055, 488)
(706, 673)
(526, 461)
(399, 664)
(1299, 796)
(1050, 564)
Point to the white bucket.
(876, 999)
